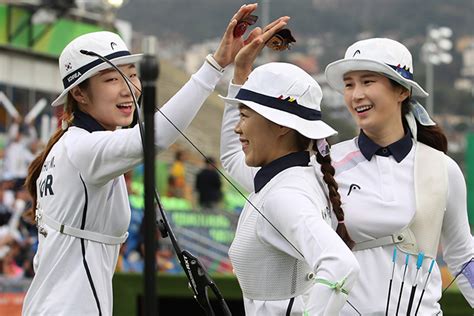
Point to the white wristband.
(210, 59)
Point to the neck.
(386, 135)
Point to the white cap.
(286, 95)
(381, 55)
(75, 67)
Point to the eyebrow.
(109, 70)
(362, 76)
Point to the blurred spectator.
(208, 185)
(177, 179)
(17, 153)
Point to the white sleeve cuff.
(233, 89)
(208, 76)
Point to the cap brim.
(311, 129)
(129, 59)
(335, 72)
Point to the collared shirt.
(85, 121)
(378, 197)
(295, 204)
(82, 185)
(267, 172)
(399, 149)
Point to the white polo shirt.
(377, 189)
(290, 206)
(82, 185)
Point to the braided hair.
(328, 171)
(328, 176)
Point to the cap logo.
(356, 52)
(112, 44)
(74, 76)
(68, 66)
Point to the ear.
(404, 94)
(79, 95)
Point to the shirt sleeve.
(102, 156)
(296, 216)
(456, 239)
(232, 156)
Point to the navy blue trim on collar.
(73, 77)
(280, 104)
(87, 122)
(399, 149)
(266, 173)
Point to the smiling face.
(262, 140)
(108, 99)
(374, 103)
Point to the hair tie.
(340, 222)
(64, 125)
(417, 113)
(323, 147)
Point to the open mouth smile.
(363, 108)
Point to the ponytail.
(328, 176)
(36, 165)
(34, 171)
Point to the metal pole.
(429, 87)
(149, 70)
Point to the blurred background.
(203, 208)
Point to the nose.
(124, 90)
(358, 92)
(135, 86)
(237, 128)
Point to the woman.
(77, 182)
(399, 189)
(287, 258)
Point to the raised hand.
(254, 44)
(230, 44)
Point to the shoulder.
(342, 149)
(295, 184)
(454, 171)
(73, 134)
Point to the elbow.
(225, 160)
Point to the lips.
(244, 143)
(126, 108)
(363, 108)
